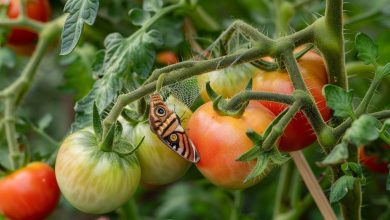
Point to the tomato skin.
(226, 82)
(166, 58)
(372, 162)
(159, 164)
(92, 180)
(29, 193)
(38, 10)
(220, 140)
(298, 133)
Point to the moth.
(166, 124)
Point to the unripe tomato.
(93, 180)
(29, 193)
(226, 82)
(38, 10)
(299, 133)
(159, 164)
(373, 162)
(220, 140)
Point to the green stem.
(296, 189)
(293, 70)
(362, 108)
(279, 127)
(25, 22)
(10, 132)
(235, 215)
(245, 96)
(283, 186)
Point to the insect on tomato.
(29, 193)
(93, 180)
(160, 164)
(220, 140)
(298, 133)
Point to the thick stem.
(313, 186)
(245, 96)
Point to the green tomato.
(93, 180)
(226, 82)
(159, 164)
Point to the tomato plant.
(99, 181)
(159, 164)
(29, 193)
(374, 162)
(38, 10)
(220, 140)
(298, 133)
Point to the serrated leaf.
(138, 16)
(363, 130)
(153, 37)
(383, 71)
(341, 187)
(152, 5)
(45, 121)
(338, 155)
(80, 12)
(367, 49)
(352, 169)
(124, 59)
(339, 100)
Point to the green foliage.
(339, 100)
(341, 187)
(363, 130)
(367, 49)
(388, 179)
(7, 58)
(80, 12)
(338, 155)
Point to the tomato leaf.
(80, 12)
(367, 49)
(363, 130)
(124, 60)
(152, 5)
(339, 100)
(353, 169)
(338, 155)
(138, 16)
(341, 187)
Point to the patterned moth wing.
(165, 123)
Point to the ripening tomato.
(38, 10)
(29, 193)
(298, 133)
(372, 161)
(166, 57)
(226, 82)
(93, 180)
(220, 140)
(159, 164)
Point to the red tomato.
(29, 193)
(220, 140)
(166, 58)
(298, 133)
(38, 10)
(372, 162)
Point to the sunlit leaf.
(338, 155)
(152, 5)
(138, 16)
(367, 49)
(339, 100)
(363, 130)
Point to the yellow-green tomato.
(92, 180)
(226, 82)
(159, 164)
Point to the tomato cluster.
(20, 38)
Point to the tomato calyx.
(219, 104)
